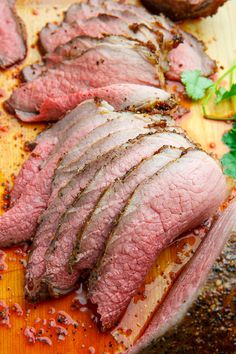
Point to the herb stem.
(213, 88)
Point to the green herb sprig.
(198, 87)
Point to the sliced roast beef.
(184, 9)
(20, 222)
(178, 198)
(71, 157)
(120, 96)
(12, 35)
(189, 55)
(46, 141)
(53, 36)
(71, 162)
(187, 286)
(61, 199)
(191, 49)
(74, 220)
(93, 238)
(124, 62)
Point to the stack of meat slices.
(100, 44)
(107, 191)
(114, 182)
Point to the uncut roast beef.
(12, 35)
(184, 9)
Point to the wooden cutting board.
(83, 336)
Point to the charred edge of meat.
(157, 107)
(185, 10)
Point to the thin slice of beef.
(184, 9)
(71, 163)
(93, 238)
(46, 141)
(125, 61)
(20, 222)
(158, 121)
(61, 199)
(120, 96)
(12, 36)
(74, 220)
(35, 288)
(192, 50)
(187, 286)
(178, 198)
(189, 55)
(53, 36)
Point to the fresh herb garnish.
(195, 84)
(196, 88)
(222, 94)
(229, 159)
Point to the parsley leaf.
(230, 138)
(219, 94)
(229, 163)
(195, 84)
(229, 159)
(223, 94)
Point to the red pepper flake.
(212, 145)
(4, 128)
(35, 12)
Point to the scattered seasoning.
(6, 196)
(41, 331)
(61, 332)
(4, 315)
(91, 350)
(65, 318)
(23, 262)
(3, 265)
(51, 311)
(18, 309)
(83, 309)
(45, 340)
(29, 146)
(51, 323)
(30, 333)
(32, 337)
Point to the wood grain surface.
(218, 33)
